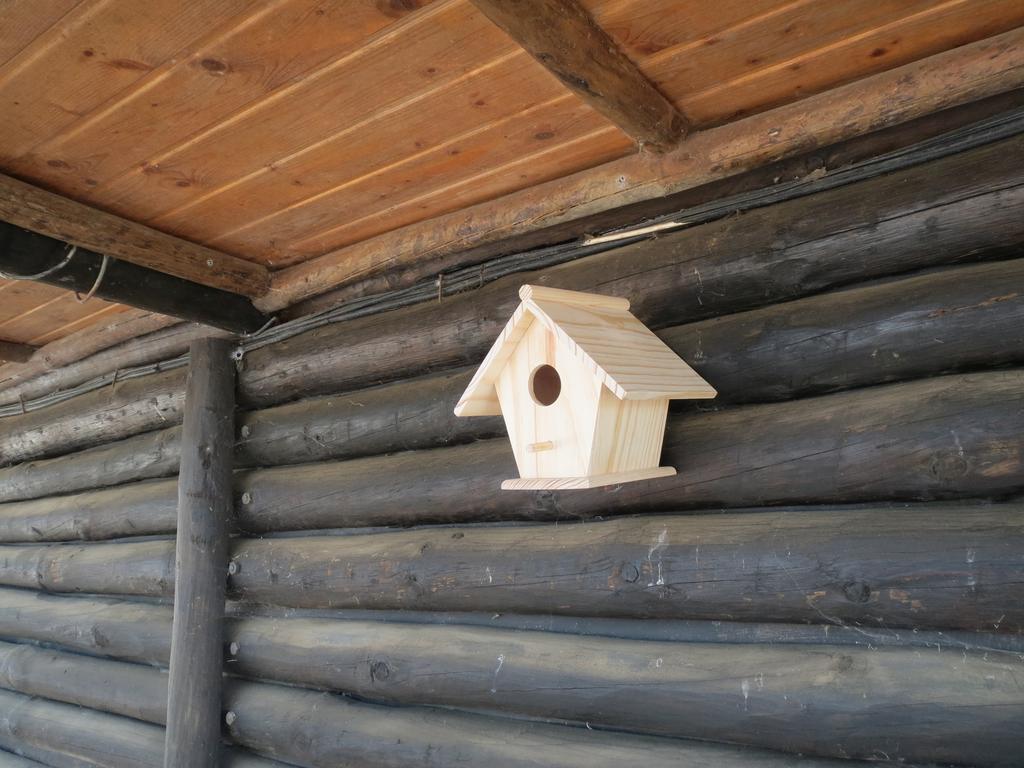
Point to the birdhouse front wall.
(554, 439)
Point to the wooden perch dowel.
(204, 509)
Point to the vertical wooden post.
(204, 507)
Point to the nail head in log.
(204, 508)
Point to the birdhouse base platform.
(577, 483)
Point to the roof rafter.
(562, 36)
(45, 213)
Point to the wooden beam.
(13, 352)
(205, 505)
(48, 260)
(40, 211)
(955, 77)
(562, 36)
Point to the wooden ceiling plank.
(563, 37)
(472, 104)
(24, 21)
(898, 42)
(94, 53)
(35, 209)
(245, 60)
(965, 74)
(539, 134)
(440, 43)
(98, 310)
(594, 148)
(13, 352)
(645, 28)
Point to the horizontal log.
(815, 243)
(96, 738)
(945, 438)
(887, 225)
(149, 455)
(933, 567)
(959, 318)
(13, 352)
(140, 631)
(151, 341)
(111, 413)
(826, 700)
(127, 326)
(950, 437)
(302, 726)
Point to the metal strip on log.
(204, 509)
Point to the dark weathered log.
(97, 738)
(919, 326)
(827, 700)
(884, 226)
(60, 372)
(954, 319)
(140, 632)
(129, 689)
(127, 326)
(938, 566)
(126, 408)
(951, 437)
(129, 630)
(204, 508)
(142, 457)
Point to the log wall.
(836, 572)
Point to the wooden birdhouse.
(583, 387)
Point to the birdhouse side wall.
(628, 434)
(549, 440)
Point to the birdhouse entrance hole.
(545, 385)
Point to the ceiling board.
(283, 129)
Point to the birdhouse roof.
(620, 350)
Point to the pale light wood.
(582, 483)
(563, 37)
(604, 415)
(35, 209)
